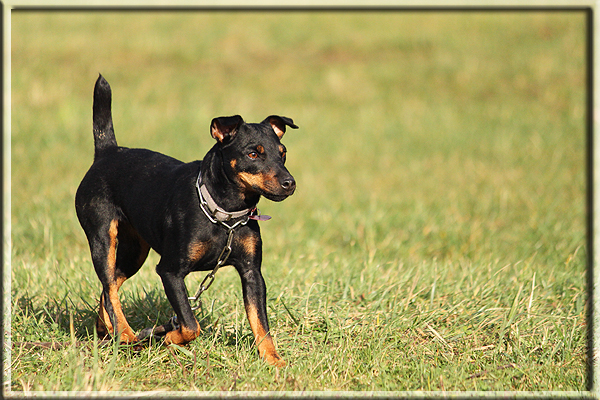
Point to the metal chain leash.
(209, 279)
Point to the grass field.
(436, 240)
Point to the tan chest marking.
(249, 244)
(196, 250)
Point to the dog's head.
(254, 155)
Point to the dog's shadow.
(49, 320)
(153, 309)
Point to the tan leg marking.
(266, 348)
(127, 335)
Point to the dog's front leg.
(255, 302)
(189, 328)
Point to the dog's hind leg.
(117, 255)
(132, 250)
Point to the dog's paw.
(183, 335)
(128, 337)
(274, 360)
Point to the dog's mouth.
(277, 197)
(285, 188)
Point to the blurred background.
(462, 124)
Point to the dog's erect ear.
(278, 124)
(224, 128)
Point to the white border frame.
(9, 5)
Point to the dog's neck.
(223, 189)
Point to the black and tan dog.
(132, 200)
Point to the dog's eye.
(253, 155)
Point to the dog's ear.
(278, 124)
(224, 128)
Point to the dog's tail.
(104, 134)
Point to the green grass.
(436, 240)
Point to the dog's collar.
(218, 214)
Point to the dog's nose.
(289, 184)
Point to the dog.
(195, 215)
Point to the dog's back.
(120, 173)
